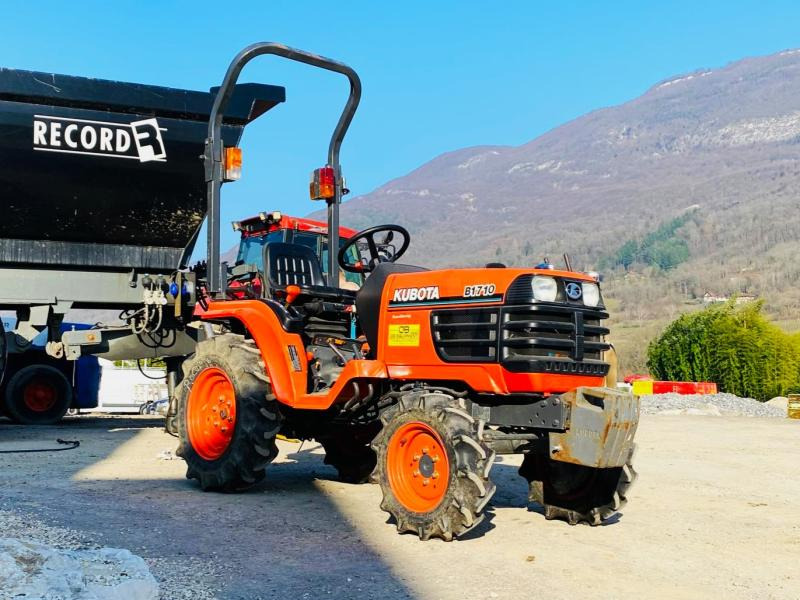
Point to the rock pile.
(709, 405)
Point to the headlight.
(591, 294)
(544, 288)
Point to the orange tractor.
(409, 377)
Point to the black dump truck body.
(105, 174)
(102, 195)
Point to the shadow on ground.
(298, 534)
(282, 538)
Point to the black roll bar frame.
(214, 161)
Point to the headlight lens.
(545, 289)
(591, 294)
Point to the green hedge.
(734, 346)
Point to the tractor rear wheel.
(227, 418)
(575, 493)
(433, 468)
(348, 450)
(38, 395)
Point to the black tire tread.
(348, 449)
(258, 418)
(470, 489)
(623, 478)
(12, 398)
(354, 461)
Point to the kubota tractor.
(416, 379)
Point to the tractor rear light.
(233, 164)
(323, 183)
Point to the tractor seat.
(368, 298)
(295, 264)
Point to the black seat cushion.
(295, 264)
(291, 264)
(368, 299)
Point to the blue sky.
(437, 76)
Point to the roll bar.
(213, 153)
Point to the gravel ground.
(181, 576)
(30, 528)
(727, 405)
(713, 515)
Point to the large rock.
(32, 570)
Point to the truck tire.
(228, 417)
(3, 351)
(433, 468)
(37, 395)
(575, 493)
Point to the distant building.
(712, 298)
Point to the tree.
(734, 346)
(660, 248)
(627, 254)
(528, 249)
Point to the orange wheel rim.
(39, 396)
(211, 413)
(418, 468)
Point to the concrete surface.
(715, 513)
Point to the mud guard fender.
(285, 368)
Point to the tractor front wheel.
(227, 418)
(433, 468)
(575, 493)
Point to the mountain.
(724, 139)
(716, 149)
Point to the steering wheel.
(378, 243)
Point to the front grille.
(547, 330)
(465, 335)
(533, 338)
